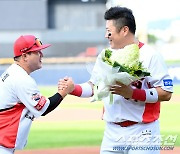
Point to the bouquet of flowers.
(122, 65)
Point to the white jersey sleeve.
(28, 93)
(95, 72)
(19, 87)
(154, 62)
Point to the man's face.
(34, 60)
(114, 36)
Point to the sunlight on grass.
(65, 134)
(169, 116)
(169, 120)
(177, 89)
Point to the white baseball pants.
(4, 150)
(135, 139)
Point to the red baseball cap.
(28, 43)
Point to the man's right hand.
(65, 86)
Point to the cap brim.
(39, 48)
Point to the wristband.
(86, 90)
(139, 94)
(151, 95)
(82, 90)
(148, 95)
(77, 91)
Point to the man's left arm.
(56, 99)
(151, 95)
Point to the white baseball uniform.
(128, 109)
(20, 102)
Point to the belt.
(125, 123)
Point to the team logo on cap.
(24, 49)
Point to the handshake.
(65, 86)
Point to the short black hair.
(122, 17)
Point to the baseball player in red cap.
(21, 100)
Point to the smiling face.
(116, 37)
(34, 60)
(30, 61)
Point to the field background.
(77, 122)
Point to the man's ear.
(24, 57)
(125, 29)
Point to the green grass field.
(90, 133)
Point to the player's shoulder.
(19, 75)
(149, 51)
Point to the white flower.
(128, 56)
(122, 65)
